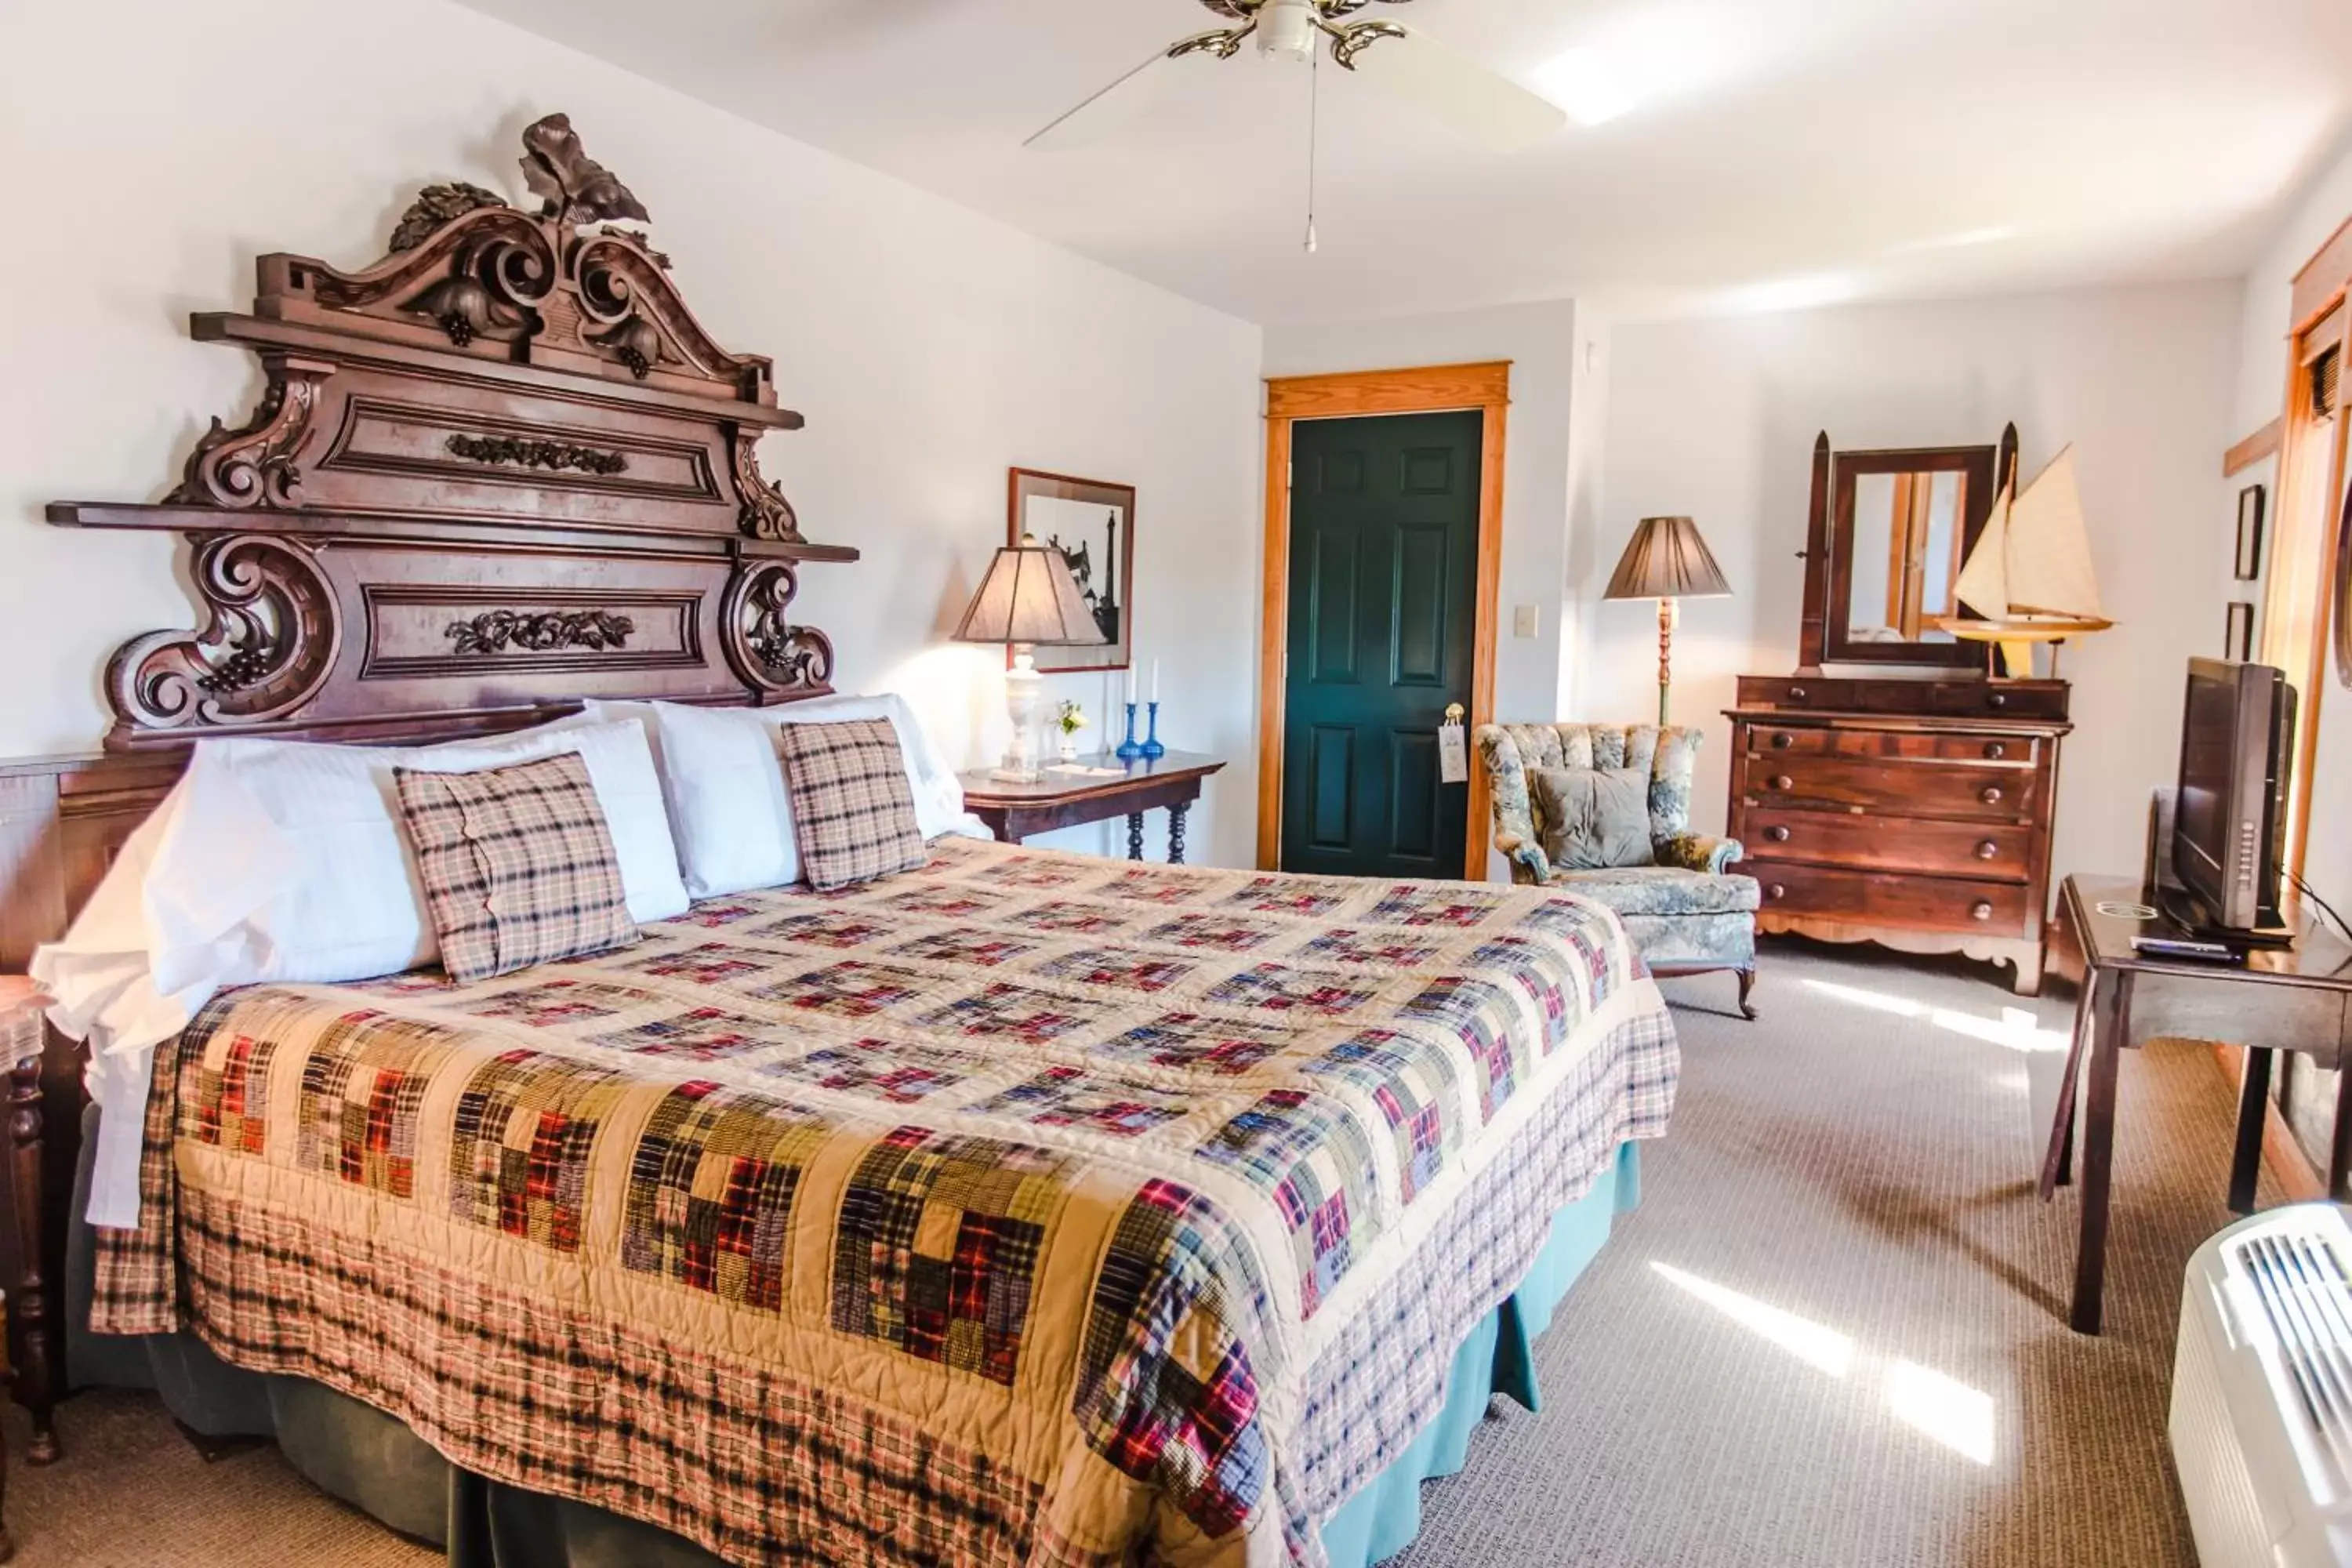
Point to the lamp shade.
(1666, 559)
(1029, 597)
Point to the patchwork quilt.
(1025, 1209)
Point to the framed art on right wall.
(2249, 533)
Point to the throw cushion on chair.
(1594, 818)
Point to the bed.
(1020, 1208)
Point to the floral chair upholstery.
(1686, 914)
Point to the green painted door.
(1383, 585)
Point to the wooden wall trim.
(2322, 281)
(1425, 389)
(1428, 389)
(2262, 443)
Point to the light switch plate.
(1526, 620)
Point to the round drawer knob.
(1998, 700)
(1783, 740)
(1796, 694)
(1781, 781)
(1777, 834)
(1989, 794)
(1988, 849)
(1980, 911)
(1776, 891)
(1996, 750)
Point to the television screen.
(2228, 822)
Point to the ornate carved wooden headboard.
(500, 470)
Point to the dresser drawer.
(1992, 790)
(1798, 740)
(1992, 849)
(2036, 700)
(1921, 903)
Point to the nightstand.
(1104, 788)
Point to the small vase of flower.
(1068, 719)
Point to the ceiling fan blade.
(1113, 109)
(1480, 102)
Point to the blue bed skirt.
(1498, 1357)
(374, 1463)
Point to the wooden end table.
(1015, 811)
(2295, 998)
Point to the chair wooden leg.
(1747, 983)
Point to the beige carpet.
(1832, 1334)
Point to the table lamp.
(1667, 561)
(1028, 597)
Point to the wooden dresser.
(1912, 813)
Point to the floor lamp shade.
(1029, 597)
(1667, 561)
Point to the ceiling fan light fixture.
(1287, 29)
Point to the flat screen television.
(2229, 821)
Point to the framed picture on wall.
(2238, 637)
(1092, 522)
(2249, 533)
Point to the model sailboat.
(2030, 574)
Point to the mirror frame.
(1828, 556)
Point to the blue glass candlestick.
(1128, 750)
(1151, 746)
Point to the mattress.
(1029, 1208)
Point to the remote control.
(2186, 947)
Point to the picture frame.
(2248, 563)
(1093, 523)
(2238, 633)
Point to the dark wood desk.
(1015, 811)
(2297, 998)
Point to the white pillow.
(354, 905)
(723, 770)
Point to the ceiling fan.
(1483, 104)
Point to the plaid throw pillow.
(518, 863)
(853, 809)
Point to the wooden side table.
(2295, 998)
(1015, 811)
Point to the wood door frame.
(1484, 386)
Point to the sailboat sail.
(2034, 557)
(2049, 554)
(1983, 582)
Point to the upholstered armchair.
(1686, 914)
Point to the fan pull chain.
(1314, 117)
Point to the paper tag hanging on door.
(1453, 748)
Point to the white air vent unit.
(2261, 1391)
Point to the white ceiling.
(1798, 150)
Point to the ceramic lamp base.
(1022, 686)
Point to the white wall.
(155, 148)
(1716, 418)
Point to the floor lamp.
(1667, 561)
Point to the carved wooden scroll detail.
(774, 656)
(766, 513)
(254, 464)
(495, 631)
(272, 637)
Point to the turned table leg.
(36, 1388)
(1176, 831)
(1135, 836)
